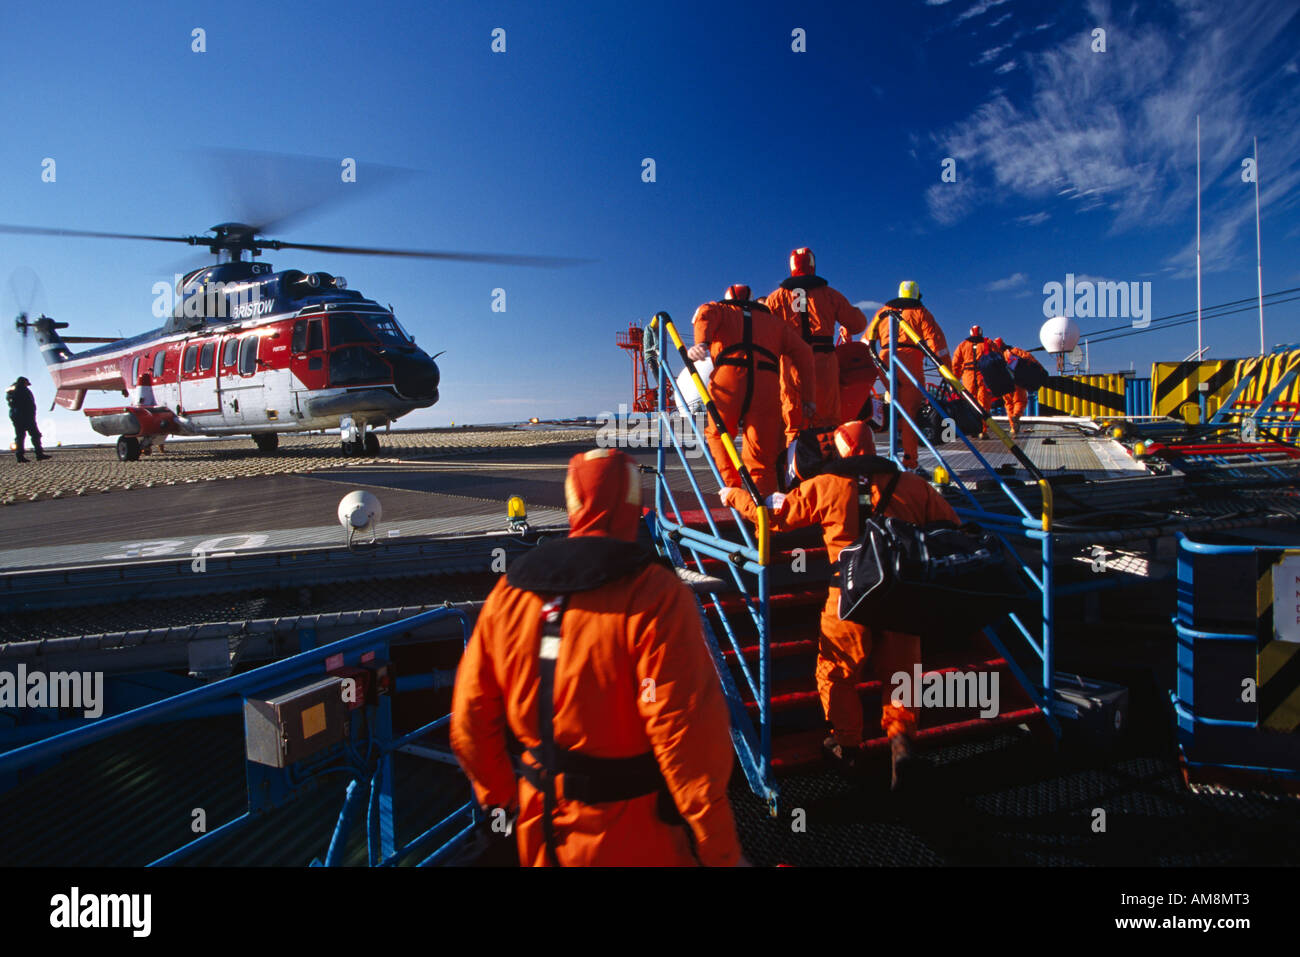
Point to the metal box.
(295, 723)
(1097, 709)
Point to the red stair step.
(800, 749)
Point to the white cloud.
(869, 307)
(980, 8)
(1116, 131)
(1014, 281)
(992, 54)
(1034, 219)
(999, 21)
(1006, 67)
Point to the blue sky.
(1067, 161)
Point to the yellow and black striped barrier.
(1091, 396)
(1278, 663)
(1174, 385)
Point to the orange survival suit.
(909, 397)
(813, 308)
(969, 351)
(747, 344)
(640, 728)
(832, 501)
(1017, 401)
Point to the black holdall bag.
(1029, 375)
(997, 375)
(925, 579)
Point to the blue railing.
(371, 774)
(1219, 724)
(746, 558)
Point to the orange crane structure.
(643, 389)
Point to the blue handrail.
(265, 678)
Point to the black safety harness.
(587, 779)
(818, 343)
(746, 353)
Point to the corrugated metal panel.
(1091, 395)
(1137, 397)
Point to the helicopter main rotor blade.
(506, 259)
(91, 234)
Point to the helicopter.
(250, 350)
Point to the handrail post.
(893, 381)
(1049, 608)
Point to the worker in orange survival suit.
(832, 501)
(908, 304)
(813, 309)
(588, 660)
(1017, 401)
(969, 351)
(747, 344)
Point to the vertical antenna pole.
(1198, 236)
(1259, 261)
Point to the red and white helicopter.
(248, 350)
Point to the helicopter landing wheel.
(349, 448)
(128, 449)
(267, 441)
(372, 444)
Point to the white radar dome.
(1059, 334)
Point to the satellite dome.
(1059, 334)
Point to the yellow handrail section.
(1045, 487)
(763, 524)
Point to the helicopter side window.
(191, 358)
(315, 336)
(207, 355)
(248, 355)
(135, 371)
(299, 343)
(230, 353)
(158, 363)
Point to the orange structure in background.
(643, 388)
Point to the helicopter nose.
(417, 377)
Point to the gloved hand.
(698, 351)
(725, 495)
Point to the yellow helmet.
(908, 289)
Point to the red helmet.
(802, 262)
(853, 439)
(999, 343)
(603, 494)
(738, 291)
(976, 331)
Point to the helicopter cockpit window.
(191, 358)
(207, 355)
(229, 352)
(315, 336)
(248, 355)
(159, 361)
(299, 343)
(387, 329)
(347, 328)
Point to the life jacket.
(819, 343)
(746, 354)
(812, 453)
(557, 569)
